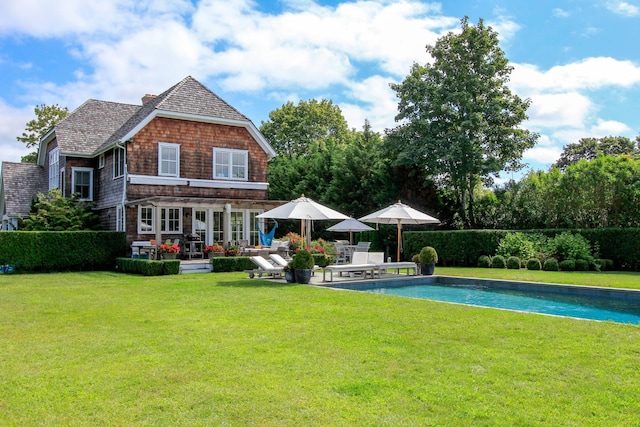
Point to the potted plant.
(428, 258)
(215, 250)
(302, 264)
(289, 274)
(168, 250)
(233, 251)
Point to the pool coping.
(594, 291)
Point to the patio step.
(195, 266)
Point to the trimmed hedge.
(534, 264)
(513, 263)
(232, 263)
(47, 251)
(484, 261)
(567, 265)
(551, 264)
(148, 267)
(582, 265)
(464, 247)
(498, 261)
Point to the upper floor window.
(118, 162)
(230, 164)
(82, 182)
(54, 169)
(168, 159)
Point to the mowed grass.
(79, 349)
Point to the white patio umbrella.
(304, 209)
(350, 225)
(399, 214)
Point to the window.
(218, 226)
(168, 159)
(171, 220)
(100, 161)
(230, 164)
(146, 223)
(200, 223)
(120, 218)
(82, 182)
(237, 222)
(254, 234)
(118, 162)
(54, 169)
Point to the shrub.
(534, 264)
(569, 246)
(484, 261)
(428, 255)
(516, 244)
(147, 267)
(551, 264)
(513, 263)
(567, 265)
(321, 260)
(498, 262)
(302, 260)
(582, 265)
(605, 264)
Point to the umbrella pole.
(302, 232)
(399, 239)
(351, 237)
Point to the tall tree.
(460, 121)
(294, 130)
(46, 117)
(589, 148)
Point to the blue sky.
(578, 61)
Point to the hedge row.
(464, 247)
(45, 251)
(235, 263)
(148, 267)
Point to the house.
(184, 162)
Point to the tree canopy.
(459, 120)
(46, 117)
(589, 148)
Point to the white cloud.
(377, 102)
(12, 124)
(559, 110)
(590, 73)
(623, 8)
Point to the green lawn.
(79, 349)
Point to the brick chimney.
(147, 98)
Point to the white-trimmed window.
(218, 226)
(168, 159)
(237, 225)
(118, 162)
(146, 220)
(230, 164)
(120, 219)
(254, 222)
(54, 169)
(171, 220)
(82, 182)
(101, 161)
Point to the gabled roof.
(19, 182)
(84, 130)
(96, 126)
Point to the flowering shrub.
(295, 240)
(213, 248)
(233, 251)
(168, 248)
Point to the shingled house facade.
(183, 162)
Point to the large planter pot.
(290, 276)
(303, 276)
(169, 256)
(428, 269)
(215, 254)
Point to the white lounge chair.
(264, 267)
(359, 264)
(278, 260)
(377, 258)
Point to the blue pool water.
(579, 306)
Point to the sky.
(578, 61)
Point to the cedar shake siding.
(141, 200)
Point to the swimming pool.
(584, 302)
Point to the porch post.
(226, 231)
